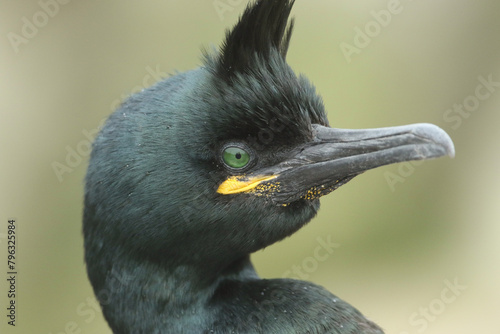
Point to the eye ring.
(236, 156)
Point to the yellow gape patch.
(240, 184)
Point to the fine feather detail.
(262, 29)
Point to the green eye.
(235, 157)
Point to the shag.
(189, 177)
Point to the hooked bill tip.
(435, 134)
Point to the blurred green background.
(400, 244)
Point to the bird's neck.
(147, 296)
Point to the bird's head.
(215, 163)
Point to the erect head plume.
(262, 31)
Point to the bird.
(189, 177)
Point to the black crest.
(262, 29)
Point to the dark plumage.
(190, 176)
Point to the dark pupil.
(238, 155)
